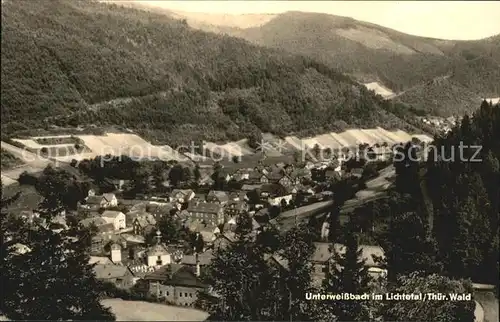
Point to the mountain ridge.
(369, 52)
(167, 81)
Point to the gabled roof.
(100, 260)
(204, 258)
(111, 214)
(93, 200)
(108, 196)
(145, 220)
(274, 176)
(278, 259)
(181, 193)
(323, 253)
(97, 221)
(107, 271)
(221, 196)
(157, 250)
(250, 187)
(176, 275)
(108, 227)
(204, 207)
(274, 189)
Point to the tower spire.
(158, 237)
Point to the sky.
(459, 20)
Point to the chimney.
(197, 265)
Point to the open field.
(144, 311)
(493, 100)
(134, 146)
(375, 189)
(379, 89)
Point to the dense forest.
(373, 53)
(87, 63)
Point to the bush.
(26, 178)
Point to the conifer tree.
(297, 247)
(407, 248)
(430, 310)
(52, 280)
(348, 274)
(240, 276)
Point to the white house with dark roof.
(106, 200)
(158, 255)
(181, 195)
(117, 218)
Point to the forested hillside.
(441, 96)
(63, 62)
(373, 53)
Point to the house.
(207, 232)
(289, 181)
(107, 200)
(332, 174)
(234, 208)
(301, 173)
(181, 195)
(263, 178)
(210, 213)
(119, 275)
(143, 224)
(254, 176)
(232, 224)
(251, 187)
(323, 256)
(279, 200)
(176, 284)
(117, 218)
(223, 240)
(237, 196)
(242, 175)
(215, 196)
(274, 176)
(379, 153)
(277, 261)
(100, 260)
(158, 255)
(206, 181)
(356, 172)
(203, 260)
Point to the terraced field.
(133, 145)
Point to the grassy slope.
(144, 311)
(63, 61)
(8, 161)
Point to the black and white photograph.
(250, 160)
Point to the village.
(130, 251)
